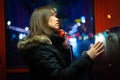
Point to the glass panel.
(76, 17)
(16, 19)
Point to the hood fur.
(34, 41)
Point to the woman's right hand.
(96, 50)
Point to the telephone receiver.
(61, 33)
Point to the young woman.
(47, 52)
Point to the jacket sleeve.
(78, 67)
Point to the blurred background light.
(8, 23)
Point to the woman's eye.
(52, 15)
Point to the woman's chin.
(57, 27)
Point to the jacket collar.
(40, 39)
(34, 41)
(56, 40)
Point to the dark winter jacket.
(48, 60)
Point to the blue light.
(14, 36)
(21, 36)
(83, 19)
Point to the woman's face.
(53, 21)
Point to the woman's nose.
(57, 19)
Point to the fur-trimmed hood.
(34, 41)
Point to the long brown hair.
(39, 21)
